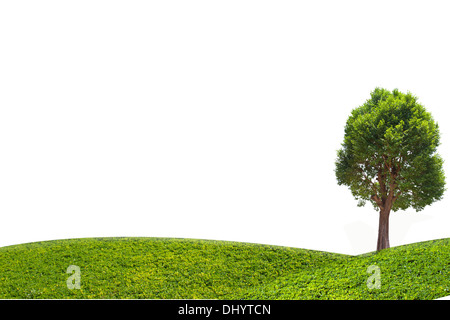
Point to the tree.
(389, 157)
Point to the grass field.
(165, 268)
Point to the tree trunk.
(383, 229)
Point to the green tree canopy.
(389, 157)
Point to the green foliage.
(389, 149)
(157, 268)
(415, 271)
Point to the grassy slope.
(192, 269)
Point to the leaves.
(389, 149)
(158, 268)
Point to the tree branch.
(368, 181)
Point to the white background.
(206, 119)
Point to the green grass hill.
(167, 268)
